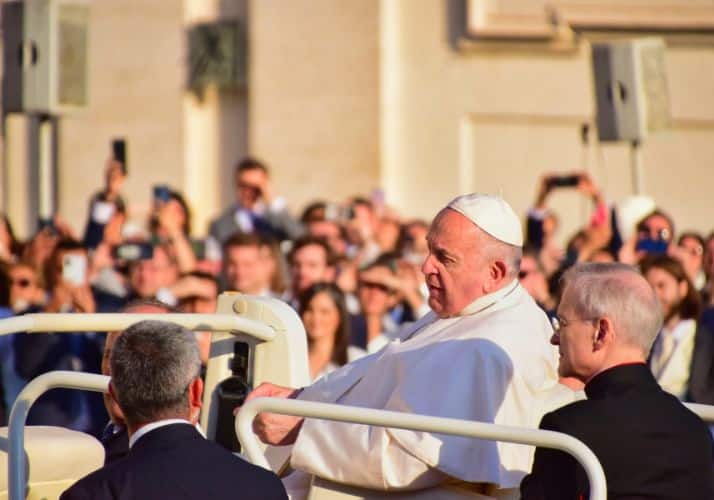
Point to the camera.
(134, 251)
(162, 193)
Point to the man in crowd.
(482, 354)
(69, 291)
(256, 209)
(311, 260)
(648, 443)
(245, 267)
(682, 356)
(155, 382)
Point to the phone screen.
(74, 268)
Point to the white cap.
(492, 214)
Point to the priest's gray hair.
(619, 292)
(153, 363)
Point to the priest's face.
(574, 338)
(455, 269)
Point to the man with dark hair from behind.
(155, 381)
(648, 443)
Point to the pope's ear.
(498, 270)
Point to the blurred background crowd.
(350, 268)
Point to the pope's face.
(455, 268)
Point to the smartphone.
(47, 224)
(199, 249)
(162, 193)
(650, 246)
(102, 212)
(119, 152)
(74, 268)
(563, 181)
(134, 251)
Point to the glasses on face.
(21, 282)
(558, 322)
(372, 284)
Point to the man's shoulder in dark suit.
(175, 461)
(647, 442)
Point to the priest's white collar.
(486, 301)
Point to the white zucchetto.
(492, 214)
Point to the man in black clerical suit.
(156, 382)
(648, 443)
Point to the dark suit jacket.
(649, 444)
(115, 442)
(176, 462)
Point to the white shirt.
(673, 372)
(492, 363)
(142, 431)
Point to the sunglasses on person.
(372, 284)
(21, 282)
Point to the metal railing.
(18, 416)
(102, 322)
(382, 418)
(705, 412)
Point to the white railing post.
(18, 416)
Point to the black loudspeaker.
(630, 89)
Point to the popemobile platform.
(254, 339)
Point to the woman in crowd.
(323, 311)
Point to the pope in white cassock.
(482, 354)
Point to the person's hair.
(240, 239)
(690, 306)
(308, 240)
(314, 212)
(342, 335)
(642, 224)
(136, 303)
(178, 197)
(360, 200)
(204, 276)
(53, 266)
(250, 163)
(691, 235)
(153, 363)
(619, 292)
(4, 285)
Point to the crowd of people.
(358, 273)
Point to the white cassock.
(492, 363)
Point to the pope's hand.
(273, 428)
